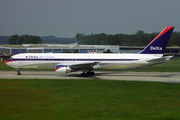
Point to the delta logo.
(31, 57)
(155, 48)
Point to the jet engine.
(63, 69)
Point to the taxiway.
(172, 77)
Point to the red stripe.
(11, 61)
(163, 32)
(7, 61)
(58, 68)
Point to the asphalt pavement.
(172, 77)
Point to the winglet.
(158, 45)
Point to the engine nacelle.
(63, 69)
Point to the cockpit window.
(11, 58)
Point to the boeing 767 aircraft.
(71, 62)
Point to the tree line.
(140, 38)
(24, 39)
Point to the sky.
(66, 18)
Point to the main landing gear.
(18, 71)
(87, 73)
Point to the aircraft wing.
(78, 66)
(160, 60)
(83, 65)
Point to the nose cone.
(8, 62)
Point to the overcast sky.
(66, 18)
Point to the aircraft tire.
(87, 74)
(18, 73)
(82, 74)
(92, 73)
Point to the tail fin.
(158, 45)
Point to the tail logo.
(158, 45)
(155, 48)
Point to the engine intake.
(63, 69)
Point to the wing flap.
(161, 60)
(80, 65)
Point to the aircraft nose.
(7, 62)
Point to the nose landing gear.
(18, 71)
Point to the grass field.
(4, 67)
(91, 99)
(172, 66)
(88, 99)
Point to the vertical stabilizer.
(158, 45)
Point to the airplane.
(71, 62)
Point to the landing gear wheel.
(82, 74)
(92, 73)
(87, 74)
(18, 73)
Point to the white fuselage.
(105, 61)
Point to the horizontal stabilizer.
(162, 59)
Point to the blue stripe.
(73, 60)
(60, 66)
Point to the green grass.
(88, 99)
(4, 67)
(172, 66)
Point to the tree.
(80, 38)
(24, 39)
(13, 40)
(113, 40)
(140, 33)
(140, 38)
(102, 38)
(175, 39)
(178, 40)
(36, 40)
